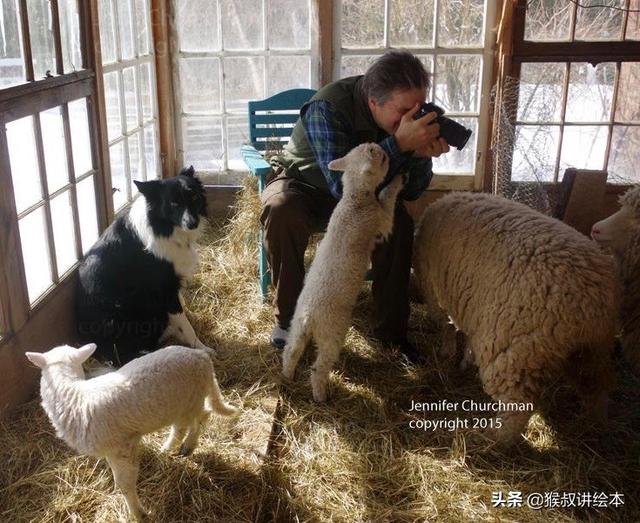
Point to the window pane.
(242, 24)
(411, 23)
(548, 21)
(243, 81)
(202, 142)
(599, 23)
(80, 138)
(142, 26)
(237, 135)
(87, 213)
(23, 157)
(288, 24)
(458, 82)
(590, 92)
(145, 75)
(540, 92)
(63, 232)
(118, 175)
(628, 104)
(130, 98)
(535, 153)
(11, 61)
(70, 35)
(460, 24)
(125, 26)
(55, 154)
(35, 253)
(362, 23)
(41, 36)
(459, 161)
(193, 35)
(135, 160)
(288, 72)
(624, 157)
(200, 85)
(583, 147)
(151, 159)
(353, 65)
(112, 102)
(107, 34)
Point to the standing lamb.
(106, 416)
(324, 308)
(535, 298)
(620, 232)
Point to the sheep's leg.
(191, 441)
(124, 466)
(175, 436)
(448, 349)
(387, 199)
(298, 340)
(328, 352)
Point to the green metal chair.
(271, 123)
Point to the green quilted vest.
(349, 104)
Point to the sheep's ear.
(83, 353)
(338, 164)
(37, 359)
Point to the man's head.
(393, 85)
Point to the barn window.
(47, 149)
(246, 50)
(452, 39)
(576, 101)
(129, 87)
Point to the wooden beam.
(26, 40)
(324, 12)
(98, 121)
(160, 13)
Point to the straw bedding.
(353, 459)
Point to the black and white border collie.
(128, 299)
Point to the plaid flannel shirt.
(330, 138)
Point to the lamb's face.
(368, 165)
(616, 231)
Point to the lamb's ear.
(37, 359)
(188, 171)
(83, 353)
(339, 164)
(149, 189)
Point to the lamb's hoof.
(319, 397)
(185, 450)
(288, 374)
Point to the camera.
(454, 133)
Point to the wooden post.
(166, 114)
(325, 36)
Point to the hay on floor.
(353, 459)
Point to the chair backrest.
(271, 120)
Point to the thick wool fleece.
(324, 308)
(534, 297)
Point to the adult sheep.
(536, 299)
(620, 233)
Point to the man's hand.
(433, 149)
(415, 135)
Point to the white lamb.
(106, 416)
(620, 232)
(536, 299)
(324, 308)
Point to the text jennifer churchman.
(470, 406)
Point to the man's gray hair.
(395, 70)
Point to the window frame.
(458, 182)
(566, 52)
(30, 98)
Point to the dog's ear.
(149, 189)
(339, 164)
(188, 171)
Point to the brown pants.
(291, 212)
